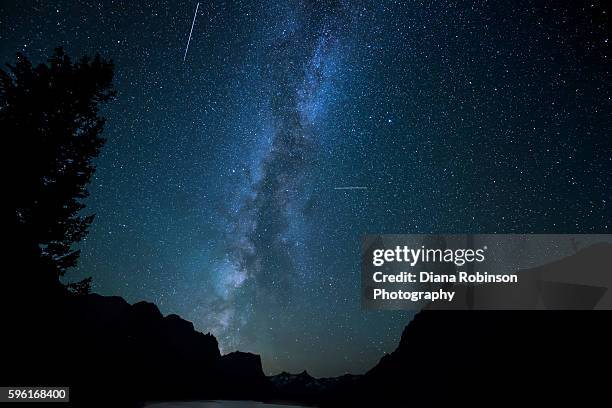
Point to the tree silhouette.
(51, 127)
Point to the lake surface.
(216, 404)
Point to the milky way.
(266, 234)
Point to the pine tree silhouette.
(51, 127)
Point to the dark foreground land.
(113, 354)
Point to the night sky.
(217, 192)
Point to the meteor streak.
(191, 31)
(350, 188)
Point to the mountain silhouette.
(504, 357)
(490, 357)
(100, 343)
(303, 387)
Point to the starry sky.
(216, 194)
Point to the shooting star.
(350, 188)
(191, 31)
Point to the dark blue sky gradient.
(214, 196)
